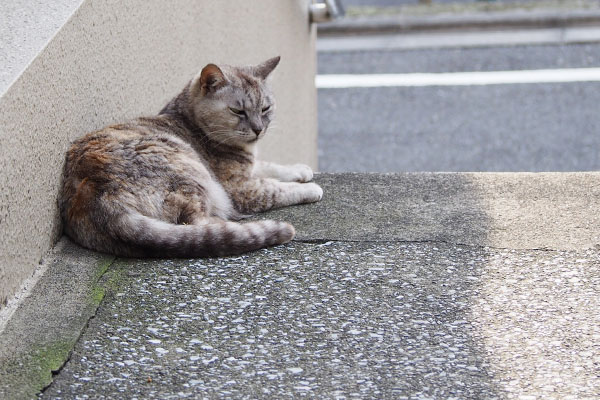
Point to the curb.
(467, 21)
(39, 337)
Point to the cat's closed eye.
(238, 112)
(266, 109)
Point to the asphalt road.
(510, 127)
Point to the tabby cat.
(171, 185)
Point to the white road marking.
(458, 78)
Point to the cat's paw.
(312, 192)
(300, 173)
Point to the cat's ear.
(263, 70)
(210, 79)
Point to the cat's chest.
(232, 173)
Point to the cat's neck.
(212, 150)
(178, 110)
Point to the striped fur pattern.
(175, 184)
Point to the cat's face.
(234, 105)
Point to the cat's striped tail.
(142, 236)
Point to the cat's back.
(136, 160)
(134, 148)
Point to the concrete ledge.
(459, 38)
(453, 240)
(461, 21)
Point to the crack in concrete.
(449, 243)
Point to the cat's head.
(233, 105)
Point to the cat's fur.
(169, 186)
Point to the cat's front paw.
(300, 173)
(312, 192)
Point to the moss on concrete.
(116, 277)
(50, 359)
(102, 267)
(36, 369)
(98, 290)
(97, 295)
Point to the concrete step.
(397, 286)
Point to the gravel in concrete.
(346, 320)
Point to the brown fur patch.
(93, 164)
(82, 200)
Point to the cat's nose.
(256, 125)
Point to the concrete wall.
(108, 60)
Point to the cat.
(175, 184)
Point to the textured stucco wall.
(115, 60)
